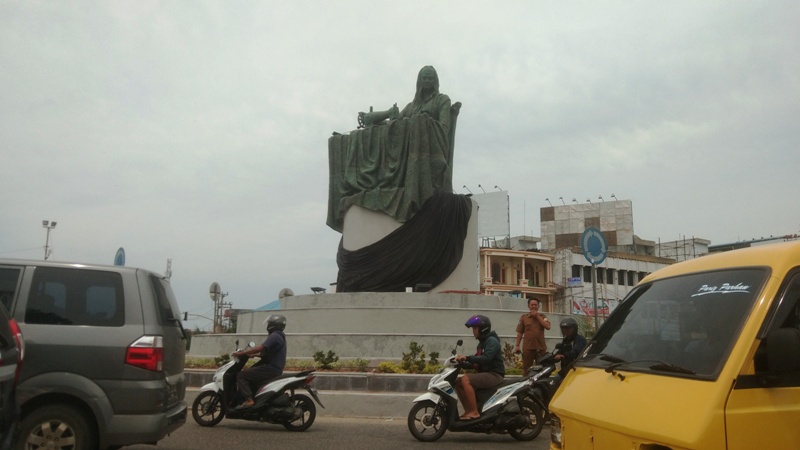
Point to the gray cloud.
(198, 131)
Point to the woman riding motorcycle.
(487, 361)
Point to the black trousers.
(254, 376)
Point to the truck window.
(690, 321)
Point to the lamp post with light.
(49, 225)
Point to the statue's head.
(427, 79)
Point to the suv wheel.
(56, 426)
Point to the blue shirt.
(274, 353)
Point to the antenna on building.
(168, 272)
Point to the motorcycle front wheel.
(534, 420)
(427, 421)
(207, 409)
(308, 413)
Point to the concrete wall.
(376, 326)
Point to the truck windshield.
(686, 323)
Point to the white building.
(628, 259)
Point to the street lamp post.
(49, 225)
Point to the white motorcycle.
(275, 402)
(507, 408)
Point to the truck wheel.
(56, 426)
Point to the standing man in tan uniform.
(530, 330)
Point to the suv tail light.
(20, 347)
(147, 353)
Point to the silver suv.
(104, 354)
(11, 345)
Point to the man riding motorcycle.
(487, 361)
(572, 344)
(273, 359)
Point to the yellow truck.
(703, 354)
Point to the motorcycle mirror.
(459, 343)
(252, 344)
(236, 343)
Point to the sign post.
(594, 248)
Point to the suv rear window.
(9, 278)
(164, 297)
(75, 297)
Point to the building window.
(529, 274)
(610, 276)
(497, 274)
(642, 275)
(621, 275)
(576, 271)
(601, 275)
(587, 274)
(631, 280)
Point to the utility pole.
(49, 225)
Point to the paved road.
(327, 433)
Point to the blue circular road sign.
(593, 245)
(119, 258)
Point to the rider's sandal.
(246, 404)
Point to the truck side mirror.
(783, 350)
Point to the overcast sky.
(197, 131)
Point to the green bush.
(300, 364)
(432, 369)
(192, 362)
(414, 360)
(222, 359)
(354, 365)
(389, 367)
(434, 359)
(325, 362)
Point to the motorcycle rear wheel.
(309, 413)
(535, 419)
(207, 409)
(427, 421)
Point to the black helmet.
(482, 322)
(569, 322)
(275, 322)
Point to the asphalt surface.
(327, 432)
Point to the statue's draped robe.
(424, 251)
(403, 169)
(392, 168)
